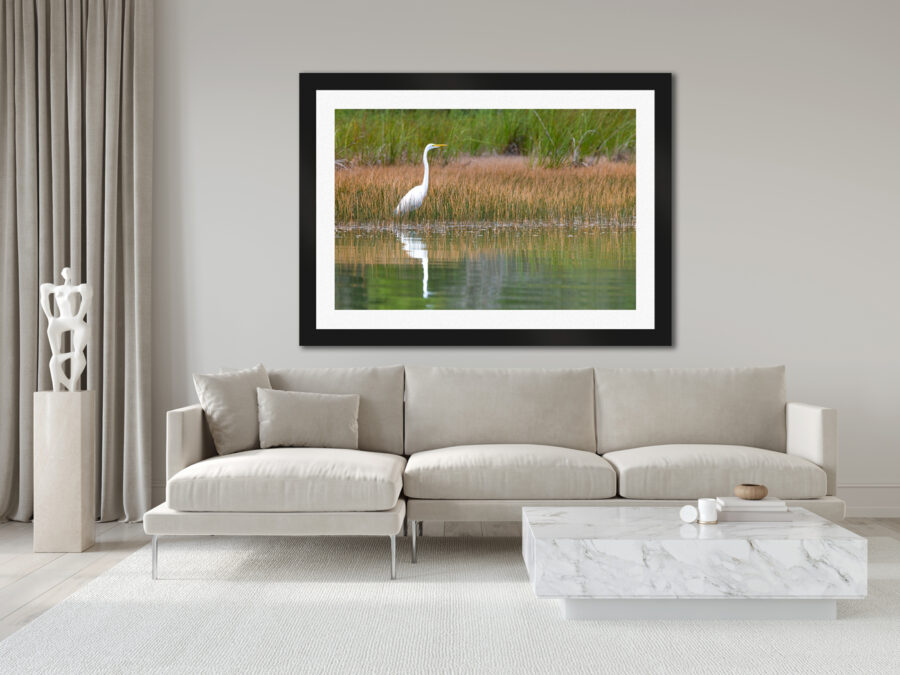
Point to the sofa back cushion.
(727, 406)
(471, 406)
(380, 391)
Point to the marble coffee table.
(634, 562)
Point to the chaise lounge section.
(290, 491)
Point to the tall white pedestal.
(63, 471)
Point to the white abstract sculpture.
(71, 318)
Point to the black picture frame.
(659, 335)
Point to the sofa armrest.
(187, 439)
(812, 435)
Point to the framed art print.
(485, 209)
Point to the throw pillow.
(299, 419)
(229, 401)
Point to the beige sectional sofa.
(451, 444)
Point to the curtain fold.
(76, 154)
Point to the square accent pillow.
(298, 419)
(229, 401)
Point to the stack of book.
(737, 509)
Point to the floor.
(31, 583)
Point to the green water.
(485, 267)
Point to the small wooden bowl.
(750, 491)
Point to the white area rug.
(326, 605)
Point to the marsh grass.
(490, 190)
(546, 137)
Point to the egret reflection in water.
(416, 248)
(485, 266)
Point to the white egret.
(414, 198)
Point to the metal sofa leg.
(393, 557)
(415, 531)
(154, 546)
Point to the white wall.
(786, 179)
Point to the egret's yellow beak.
(440, 145)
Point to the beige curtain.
(76, 145)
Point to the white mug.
(709, 514)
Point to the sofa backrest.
(728, 406)
(469, 406)
(380, 398)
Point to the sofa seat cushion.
(694, 471)
(289, 480)
(508, 471)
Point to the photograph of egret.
(501, 209)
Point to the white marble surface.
(647, 552)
